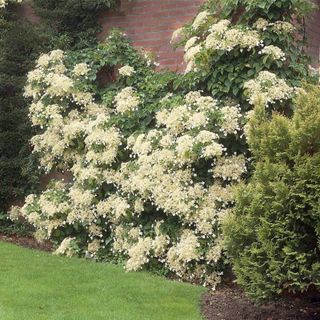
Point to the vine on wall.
(154, 158)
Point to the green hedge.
(20, 43)
(273, 235)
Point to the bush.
(71, 23)
(154, 158)
(273, 234)
(20, 227)
(152, 166)
(66, 24)
(20, 44)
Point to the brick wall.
(150, 23)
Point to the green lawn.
(37, 285)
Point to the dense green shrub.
(20, 44)
(71, 23)
(273, 235)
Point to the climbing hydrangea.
(267, 88)
(223, 36)
(153, 166)
(128, 189)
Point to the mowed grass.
(36, 285)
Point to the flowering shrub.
(62, 24)
(273, 234)
(154, 195)
(154, 156)
(231, 43)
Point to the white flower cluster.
(118, 177)
(220, 36)
(200, 19)
(67, 248)
(274, 52)
(127, 100)
(81, 69)
(283, 27)
(231, 119)
(50, 71)
(126, 71)
(267, 88)
(177, 35)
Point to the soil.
(230, 303)
(27, 242)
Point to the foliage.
(232, 42)
(247, 10)
(154, 156)
(20, 227)
(154, 160)
(71, 23)
(153, 168)
(273, 235)
(20, 44)
(104, 291)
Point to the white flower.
(138, 254)
(67, 247)
(201, 18)
(56, 55)
(127, 100)
(81, 69)
(192, 52)
(231, 116)
(267, 88)
(43, 60)
(190, 43)
(59, 85)
(126, 71)
(261, 24)
(212, 150)
(274, 52)
(230, 168)
(177, 34)
(283, 27)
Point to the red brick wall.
(150, 23)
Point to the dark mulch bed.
(230, 303)
(27, 242)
